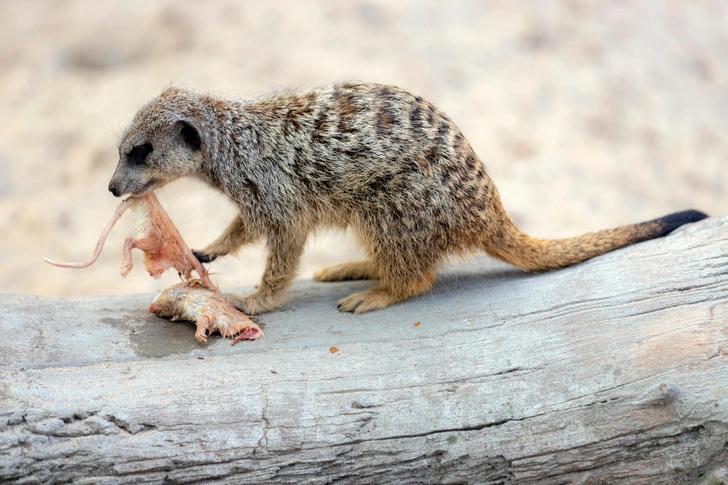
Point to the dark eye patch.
(138, 154)
(190, 136)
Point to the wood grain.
(612, 371)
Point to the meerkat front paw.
(253, 304)
(235, 301)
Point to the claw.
(203, 257)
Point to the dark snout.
(115, 189)
(129, 180)
(119, 183)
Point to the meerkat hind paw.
(366, 301)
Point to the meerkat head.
(161, 144)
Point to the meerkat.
(376, 158)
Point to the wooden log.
(612, 371)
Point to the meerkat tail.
(514, 247)
(120, 209)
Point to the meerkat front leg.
(284, 251)
(235, 235)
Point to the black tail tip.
(671, 222)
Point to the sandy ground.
(587, 114)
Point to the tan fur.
(353, 270)
(376, 158)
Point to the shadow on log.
(612, 371)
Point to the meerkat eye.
(138, 154)
(190, 136)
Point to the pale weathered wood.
(613, 371)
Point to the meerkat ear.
(190, 135)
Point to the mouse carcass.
(198, 300)
(155, 235)
(192, 300)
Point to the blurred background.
(587, 114)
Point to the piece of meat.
(191, 300)
(156, 236)
(198, 300)
(161, 243)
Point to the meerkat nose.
(114, 190)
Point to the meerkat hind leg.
(385, 294)
(351, 270)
